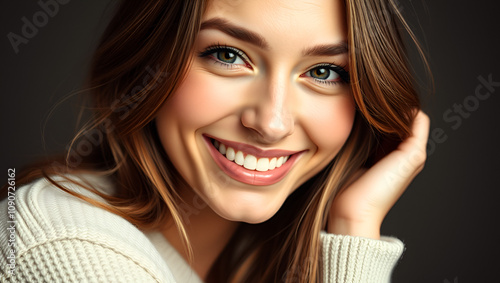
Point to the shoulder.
(61, 235)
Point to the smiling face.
(265, 105)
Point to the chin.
(248, 207)
(248, 217)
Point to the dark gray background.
(447, 217)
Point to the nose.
(269, 117)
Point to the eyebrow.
(249, 36)
(235, 31)
(327, 50)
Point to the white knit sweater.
(60, 238)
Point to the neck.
(208, 233)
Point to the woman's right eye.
(227, 56)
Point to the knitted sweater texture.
(56, 237)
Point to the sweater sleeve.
(57, 237)
(358, 259)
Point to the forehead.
(285, 22)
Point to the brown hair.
(140, 61)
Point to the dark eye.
(328, 74)
(323, 73)
(228, 56)
(225, 55)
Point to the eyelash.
(340, 70)
(223, 48)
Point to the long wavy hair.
(140, 62)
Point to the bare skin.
(360, 209)
(270, 102)
(208, 234)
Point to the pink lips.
(252, 177)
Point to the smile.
(249, 164)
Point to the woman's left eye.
(328, 74)
(227, 56)
(323, 74)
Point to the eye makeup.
(328, 74)
(232, 58)
(226, 56)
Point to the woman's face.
(265, 105)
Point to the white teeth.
(222, 149)
(279, 162)
(262, 164)
(249, 161)
(272, 163)
(230, 154)
(239, 158)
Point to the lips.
(249, 164)
(249, 161)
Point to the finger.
(420, 128)
(417, 141)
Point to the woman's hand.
(360, 207)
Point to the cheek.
(329, 121)
(196, 101)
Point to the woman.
(258, 141)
